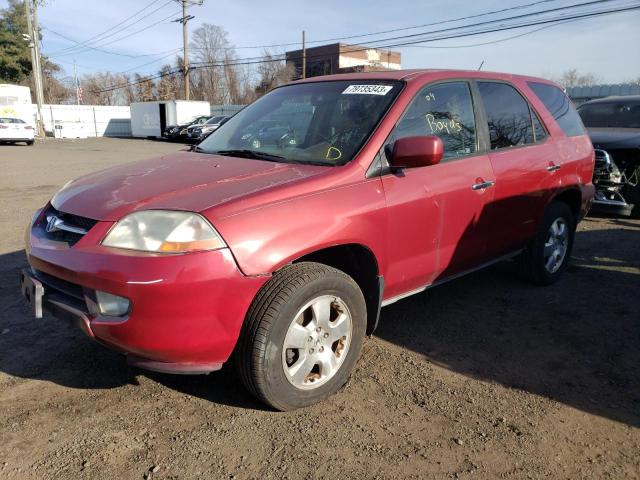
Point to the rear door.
(435, 225)
(524, 161)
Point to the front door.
(436, 226)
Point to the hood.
(615, 137)
(182, 181)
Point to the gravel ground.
(484, 377)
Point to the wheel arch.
(573, 198)
(361, 264)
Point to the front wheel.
(547, 254)
(302, 336)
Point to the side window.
(560, 107)
(445, 110)
(508, 115)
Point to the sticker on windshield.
(367, 89)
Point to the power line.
(488, 22)
(101, 36)
(382, 32)
(99, 48)
(500, 40)
(577, 16)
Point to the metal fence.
(107, 121)
(226, 109)
(93, 120)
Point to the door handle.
(482, 185)
(553, 168)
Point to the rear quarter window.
(560, 107)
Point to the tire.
(535, 261)
(275, 374)
(29, 142)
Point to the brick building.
(342, 58)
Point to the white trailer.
(149, 119)
(15, 102)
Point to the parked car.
(284, 255)
(199, 132)
(269, 133)
(179, 132)
(613, 124)
(14, 130)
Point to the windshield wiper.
(246, 153)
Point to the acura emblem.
(53, 223)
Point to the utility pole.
(185, 42)
(185, 50)
(75, 80)
(304, 56)
(34, 43)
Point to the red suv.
(278, 238)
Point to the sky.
(606, 46)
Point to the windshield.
(611, 114)
(319, 123)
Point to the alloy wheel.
(317, 342)
(556, 245)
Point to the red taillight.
(28, 127)
(3, 126)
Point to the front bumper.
(186, 310)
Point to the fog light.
(112, 305)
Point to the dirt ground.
(484, 377)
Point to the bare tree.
(167, 85)
(144, 88)
(210, 46)
(55, 91)
(272, 73)
(217, 78)
(573, 78)
(106, 88)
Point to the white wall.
(97, 120)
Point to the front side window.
(444, 110)
(322, 123)
(508, 115)
(560, 108)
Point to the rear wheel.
(302, 336)
(29, 142)
(547, 254)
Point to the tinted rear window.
(560, 107)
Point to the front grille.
(60, 285)
(59, 290)
(68, 221)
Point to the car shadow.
(576, 342)
(52, 350)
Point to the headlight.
(164, 231)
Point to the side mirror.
(412, 152)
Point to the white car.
(15, 130)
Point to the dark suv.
(613, 124)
